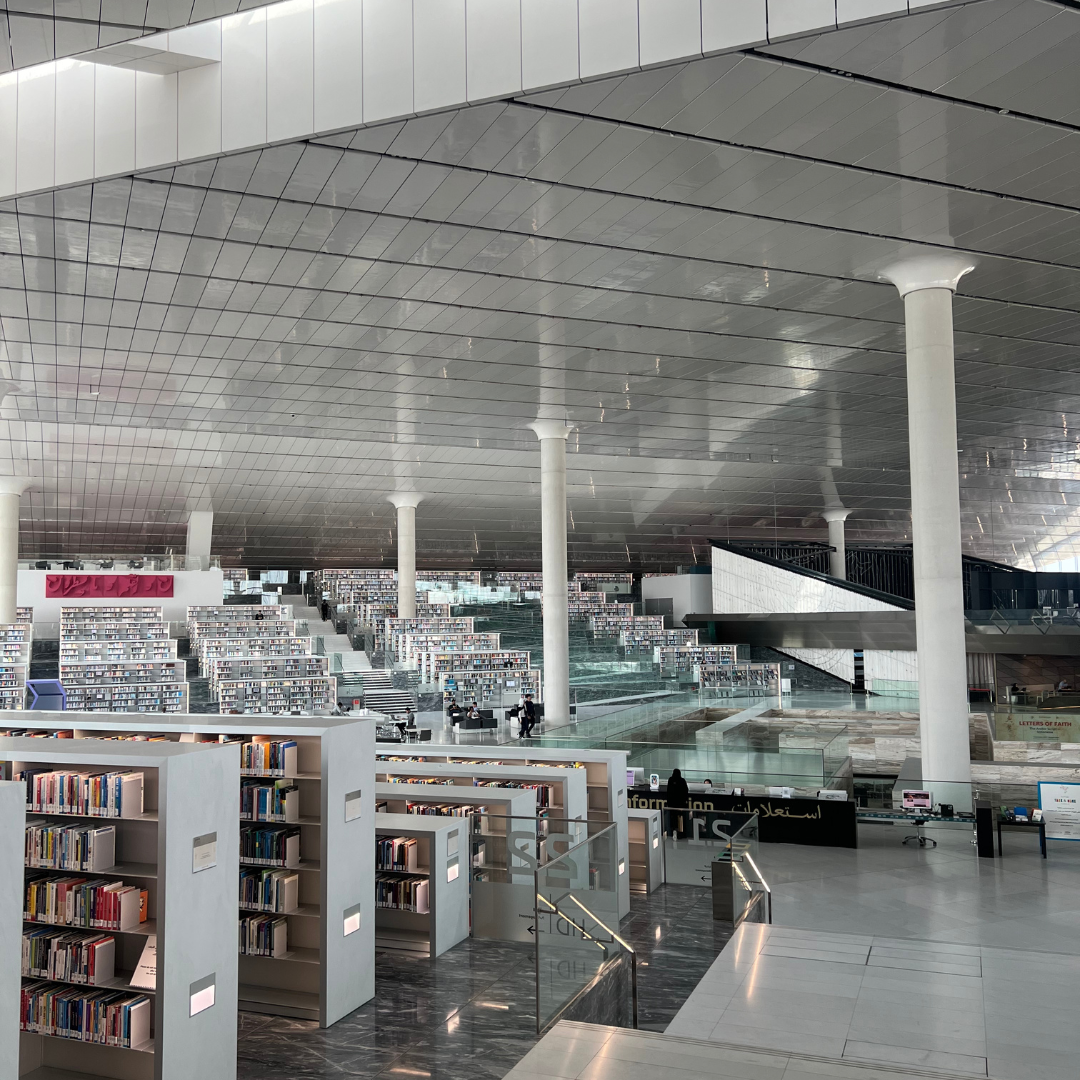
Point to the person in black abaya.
(678, 799)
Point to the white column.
(552, 435)
(838, 556)
(200, 527)
(11, 489)
(927, 284)
(406, 503)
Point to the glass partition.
(584, 970)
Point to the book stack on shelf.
(612, 625)
(24, 615)
(15, 641)
(591, 580)
(96, 904)
(431, 665)
(210, 649)
(757, 679)
(581, 605)
(117, 683)
(298, 814)
(528, 584)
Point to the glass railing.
(585, 970)
(72, 564)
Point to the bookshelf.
(757, 678)
(602, 773)
(12, 820)
(326, 972)
(188, 795)
(612, 625)
(277, 695)
(561, 791)
(392, 630)
(646, 856)
(232, 668)
(459, 662)
(679, 660)
(72, 652)
(421, 882)
(639, 638)
(411, 646)
(14, 664)
(216, 648)
(486, 686)
(165, 697)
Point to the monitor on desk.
(917, 800)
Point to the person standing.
(528, 718)
(677, 802)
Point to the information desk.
(916, 818)
(1012, 823)
(820, 822)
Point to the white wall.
(189, 587)
(690, 594)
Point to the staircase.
(379, 691)
(332, 640)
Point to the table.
(918, 819)
(1006, 823)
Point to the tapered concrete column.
(200, 527)
(552, 435)
(927, 284)
(838, 556)
(406, 503)
(11, 489)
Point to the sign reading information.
(108, 586)
(1061, 810)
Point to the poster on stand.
(1060, 805)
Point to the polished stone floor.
(469, 1015)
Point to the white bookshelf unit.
(646, 852)
(15, 643)
(328, 967)
(12, 846)
(256, 668)
(174, 841)
(422, 883)
(604, 774)
(117, 683)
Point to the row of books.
(544, 796)
(90, 902)
(270, 847)
(104, 794)
(107, 1017)
(268, 757)
(263, 935)
(445, 809)
(432, 781)
(68, 956)
(70, 847)
(269, 890)
(396, 853)
(402, 893)
(277, 801)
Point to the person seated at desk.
(1063, 685)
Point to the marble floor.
(469, 1015)
(967, 1010)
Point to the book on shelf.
(276, 801)
(263, 935)
(396, 853)
(72, 956)
(270, 846)
(402, 893)
(276, 891)
(70, 847)
(445, 809)
(268, 757)
(145, 975)
(104, 794)
(77, 901)
(107, 1017)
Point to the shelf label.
(203, 853)
(202, 994)
(352, 920)
(354, 805)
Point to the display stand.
(437, 871)
(646, 852)
(177, 843)
(329, 967)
